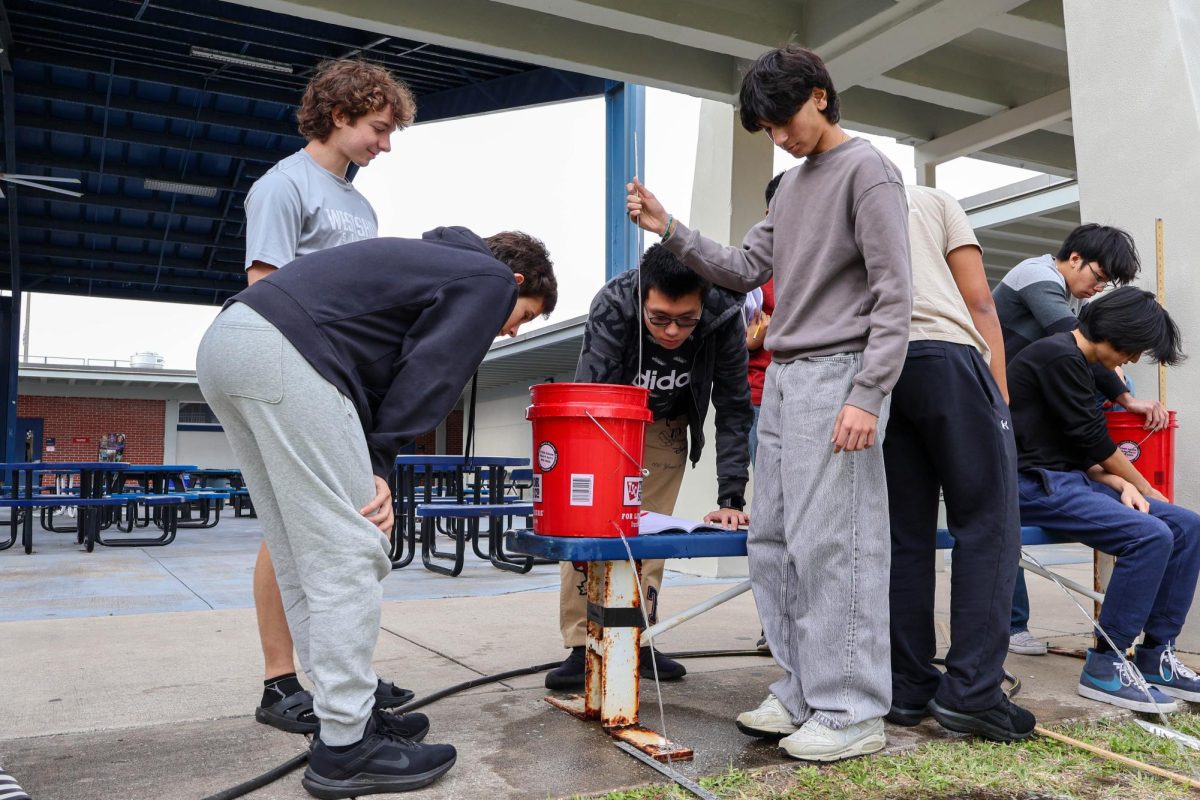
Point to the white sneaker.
(769, 719)
(1026, 644)
(816, 742)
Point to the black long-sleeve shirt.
(1056, 420)
(397, 325)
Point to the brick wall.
(68, 418)
(454, 433)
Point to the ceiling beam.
(1024, 207)
(744, 31)
(1002, 127)
(855, 58)
(521, 34)
(1029, 30)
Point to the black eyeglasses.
(1100, 279)
(663, 321)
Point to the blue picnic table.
(94, 480)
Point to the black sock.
(1149, 642)
(1101, 646)
(279, 687)
(342, 748)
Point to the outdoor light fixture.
(240, 60)
(181, 188)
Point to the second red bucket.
(587, 458)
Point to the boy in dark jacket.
(319, 373)
(692, 346)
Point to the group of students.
(885, 368)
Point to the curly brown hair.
(356, 88)
(526, 255)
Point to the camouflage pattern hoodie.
(610, 355)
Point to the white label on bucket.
(633, 492)
(581, 489)
(536, 488)
(1131, 449)
(547, 456)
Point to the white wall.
(205, 449)
(500, 425)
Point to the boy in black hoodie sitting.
(319, 373)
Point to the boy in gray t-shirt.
(836, 241)
(302, 205)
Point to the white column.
(170, 430)
(1135, 99)
(733, 168)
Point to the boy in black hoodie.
(319, 373)
(692, 347)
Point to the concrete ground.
(134, 673)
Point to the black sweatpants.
(950, 428)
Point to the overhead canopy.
(168, 110)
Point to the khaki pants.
(666, 457)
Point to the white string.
(644, 472)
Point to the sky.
(540, 170)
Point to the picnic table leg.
(27, 522)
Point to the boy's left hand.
(379, 510)
(854, 429)
(728, 518)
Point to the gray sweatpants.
(819, 547)
(303, 453)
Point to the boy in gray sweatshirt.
(836, 241)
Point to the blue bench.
(166, 516)
(21, 508)
(463, 521)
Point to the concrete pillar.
(733, 168)
(170, 431)
(1135, 95)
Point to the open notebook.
(651, 522)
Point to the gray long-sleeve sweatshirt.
(836, 240)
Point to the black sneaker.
(568, 674)
(906, 714)
(412, 727)
(376, 765)
(1003, 722)
(668, 670)
(388, 695)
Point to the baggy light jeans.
(819, 547)
(303, 454)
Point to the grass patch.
(971, 769)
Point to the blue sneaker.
(1164, 671)
(1109, 679)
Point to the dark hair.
(781, 81)
(356, 88)
(1112, 248)
(1132, 321)
(667, 274)
(527, 256)
(772, 186)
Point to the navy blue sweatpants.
(1158, 554)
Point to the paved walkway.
(134, 673)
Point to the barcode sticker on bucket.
(537, 487)
(581, 489)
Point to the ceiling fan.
(38, 182)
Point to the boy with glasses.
(1043, 296)
(692, 346)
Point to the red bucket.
(587, 454)
(1152, 454)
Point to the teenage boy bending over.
(1076, 482)
(836, 240)
(319, 372)
(950, 431)
(302, 205)
(1043, 295)
(692, 347)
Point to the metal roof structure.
(167, 111)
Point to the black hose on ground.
(294, 763)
